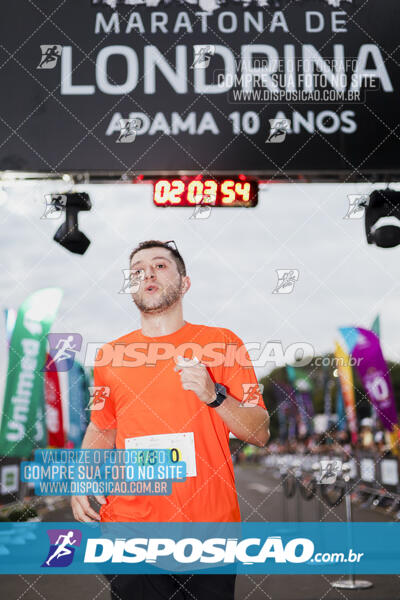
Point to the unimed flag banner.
(347, 385)
(23, 400)
(365, 347)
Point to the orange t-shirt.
(147, 399)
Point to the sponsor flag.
(22, 425)
(327, 384)
(376, 326)
(347, 388)
(54, 416)
(286, 406)
(365, 347)
(11, 316)
(341, 415)
(78, 394)
(40, 432)
(303, 387)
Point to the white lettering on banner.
(366, 53)
(189, 550)
(200, 85)
(134, 22)
(21, 401)
(278, 20)
(154, 65)
(176, 78)
(227, 25)
(132, 70)
(183, 21)
(194, 124)
(226, 22)
(314, 21)
(313, 122)
(191, 124)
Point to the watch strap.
(221, 395)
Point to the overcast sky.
(231, 258)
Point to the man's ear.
(186, 283)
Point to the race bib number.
(182, 442)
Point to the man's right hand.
(83, 511)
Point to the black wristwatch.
(220, 390)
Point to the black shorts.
(177, 587)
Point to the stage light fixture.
(382, 218)
(68, 235)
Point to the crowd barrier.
(331, 479)
(374, 479)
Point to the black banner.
(259, 87)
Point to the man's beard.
(168, 297)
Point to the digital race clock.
(216, 191)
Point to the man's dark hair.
(157, 244)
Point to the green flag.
(376, 326)
(23, 424)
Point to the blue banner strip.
(251, 548)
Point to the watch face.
(220, 389)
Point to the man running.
(196, 404)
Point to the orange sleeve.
(240, 379)
(104, 417)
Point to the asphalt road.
(261, 499)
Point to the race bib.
(183, 442)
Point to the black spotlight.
(68, 235)
(383, 204)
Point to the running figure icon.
(62, 549)
(62, 350)
(63, 346)
(50, 56)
